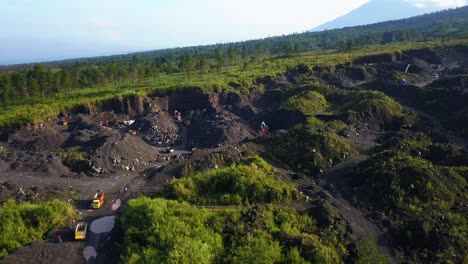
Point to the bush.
(23, 223)
(369, 253)
(310, 148)
(308, 102)
(411, 181)
(162, 231)
(253, 180)
(372, 105)
(257, 249)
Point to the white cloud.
(438, 3)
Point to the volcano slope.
(344, 174)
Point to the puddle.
(116, 204)
(89, 252)
(103, 225)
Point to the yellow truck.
(98, 200)
(80, 230)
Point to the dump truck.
(80, 230)
(98, 200)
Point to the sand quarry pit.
(90, 147)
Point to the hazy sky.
(39, 30)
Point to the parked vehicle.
(81, 230)
(98, 200)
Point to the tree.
(202, 64)
(33, 85)
(297, 47)
(259, 50)
(232, 54)
(65, 79)
(5, 88)
(245, 53)
(219, 57)
(187, 63)
(20, 83)
(349, 45)
(39, 74)
(48, 82)
(287, 49)
(56, 83)
(83, 79)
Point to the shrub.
(310, 148)
(162, 231)
(372, 105)
(308, 102)
(423, 199)
(23, 223)
(74, 158)
(253, 180)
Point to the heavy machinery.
(98, 200)
(80, 231)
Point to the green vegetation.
(421, 187)
(312, 147)
(165, 231)
(253, 181)
(162, 231)
(395, 77)
(372, 104)
(23, 223)
(74, 158)
(369, 253)
(308, 102)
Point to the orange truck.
(98, 200)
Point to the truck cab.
(98, 200)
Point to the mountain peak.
(376, 11)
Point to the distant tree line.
(36, 81)
(40, 81)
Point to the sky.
(44, 30)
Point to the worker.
(107, 123)
(59, 238)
